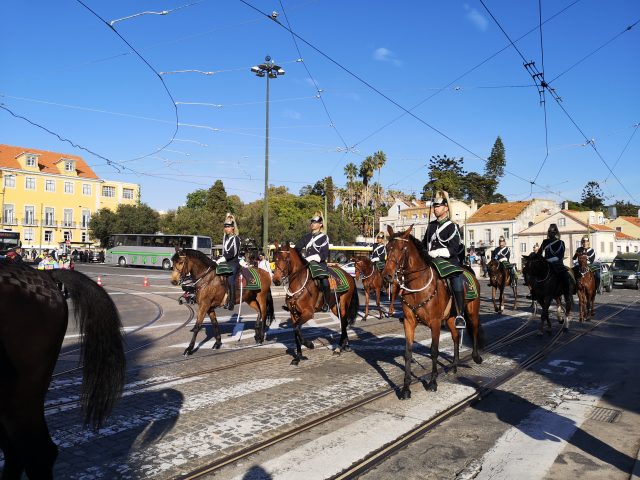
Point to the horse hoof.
(295, 361)
(337, 351)
(539, 333)
(216, 346)
(309, 345)
(454, 369)
(405, 394)
(302, 357)
(187, 352)
(477, 359)
(195, 328)
(347, 348)
(432, 386)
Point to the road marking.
(533, 445)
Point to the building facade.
(49, 197)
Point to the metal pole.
(41, 226)
(265, 212)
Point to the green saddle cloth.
(380, 265)
(317, 271)
(342, 284)
(445, 268)
(595, 268)
(471, 292)
(250, 278)
(223, 269)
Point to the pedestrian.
(49, 263)
(264, 264)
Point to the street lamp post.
(270, 70)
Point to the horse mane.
(197, 254)
(419, 246)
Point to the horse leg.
(343, 344)
(392, 298)
(216, 329)
(299, 340)
(515, 295)
(196, 328)
(380, 311)
(435, 341)
(455, 336)
(473, 315)
(544, 315)
(13, 464)
(366, 304)
(260, 306)
(409, 332)
(493, 298)
(501, 297)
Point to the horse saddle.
(337, 279)
(445, 268)
(380, 265)
(250, 278)
(223, 269)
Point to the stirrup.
(460, 322)
(325, 307)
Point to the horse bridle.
(183, 276)
(401, 274)
(286, 278)
(373, 269)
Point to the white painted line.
(533, 445)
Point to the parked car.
(626, 270)
(606, 279)
(350, 268)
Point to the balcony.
(10, 221)
(65, 224)
(49, 223)
(29, 222)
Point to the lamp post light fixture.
(269, 70)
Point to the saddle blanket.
(223, 269)
(380, 265)
(337, 279)
(250, 278)
(445, 268)
(470, 286)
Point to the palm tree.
(350, 171)
(378, 160)
(366, 173)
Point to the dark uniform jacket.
(552, 250)
(501, 254)
(314, 247)
(591, 254)
(443, 239)
(230, 248)
(379, 253)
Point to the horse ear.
(407, 232)
(389, 230)
(275, 244)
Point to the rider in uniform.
(443, 240)
(379, 253)
(552, 250)
(502, 254)
(585, 247)
(314, 247)
(230, 253)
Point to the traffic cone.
(99, 282)
(145, 282)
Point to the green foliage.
(197, 199)
(445, 173)
(494, 168)
(592, 196)
(102, 224)
(627, 209)
(126, 219)
(577, 206)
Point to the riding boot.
(231, 298)
(569, 285)
(458, 297)
(326, 292)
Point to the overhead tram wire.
(594, 51)
(543, 98)
(539, 77)
(376, 90)
(440, 90)
(315, 83)
(173, 102)
(162, 12)
(635, 130)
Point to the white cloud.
(295, 115)
(385, 55)
(475, 17)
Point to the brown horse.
(499, 278)
(304, 298)
(211, 290)
(426, 299)
(586, 287)
(32, 302)
(371, 277)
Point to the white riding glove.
(221, 260)
(315, 257)
(439, 252)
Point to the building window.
(562, 222)
(635, 249)
(108, 191)
(30, 183)
(610, 247)
(49, 185)
(86, 189)
(29, 215)
(618, 229)
(69, 166)
(8, 214)
(505, 233)
(487, 235)
(530, 224)
(471, 236)
(31, 160)
(67, 235)
(48, 236)
(49, 215)
(523, 247)
(619, 248)
(67, 219)
(27, 233)
(68, 187)
(10, 181)
(83, 237)
(602, 247)
(86, 218)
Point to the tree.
(626, 209)
(592, 196)
(445, 173)
(102, 224)
(378, 161)
(350, 171)
(494, 168)
(137, 219)
(197, 199)
(366, 173)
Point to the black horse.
(33, 303)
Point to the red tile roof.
(634, 220)
(46, 160)
(498, 212)
(624, 236)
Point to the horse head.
(583, 263)
(181, 268)
(359, 265)
(282, 261)
(396, 253)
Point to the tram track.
(375, 457)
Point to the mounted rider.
(230, 253)
(585, 248)
(443, 240)
(314, 247)
(502, 254)
(552, 250)
(379, 254)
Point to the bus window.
(204, 242)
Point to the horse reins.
(183, 276)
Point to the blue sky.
(65, 69)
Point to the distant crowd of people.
(49, 259)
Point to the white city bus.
(151, 250)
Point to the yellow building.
(49, 197)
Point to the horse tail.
(354, 306)
(102, 350)
(271, 314)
